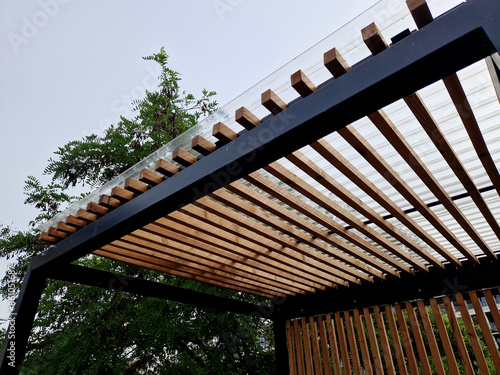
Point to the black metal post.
(281, 347)
(21, 322)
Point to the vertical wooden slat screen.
(443, 335)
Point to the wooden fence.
(445, 335)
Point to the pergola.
(371, 189)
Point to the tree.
(83, 330)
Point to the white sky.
(69, 67)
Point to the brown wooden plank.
(175, 271)
(346, 363)
(486, 330)
(223, 133)
(121, 194)
(75, 222)
(335, 63)
(471, 332)
(302, 84)
(383, 167)
(291, 348)
(320, 261)
(270, 261)
(396, 341)
(87, 216)
(166, 168)
(356, 363)
(363, 343)
(384, 342)
(109, 202)
(431, 338)
(365, 263)
(183, 157)
(325, 354)
(445, 339)
(44, 236)
(97, 209)
(150, 177)
(135, 186)
(407, 343)
(63, 227)
(316, 196)
(457, 333)
(334, 346)
(56, 233)
(246, 118)
(299, 348)
(495, 313)
(306, 337)
(315, 345)
(325, 179)
(418, 339)
(372, 336)
(273, 102)
(202, 146)
(373, 39)
(420, 12)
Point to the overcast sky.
(69, 68)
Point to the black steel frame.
(462, 36)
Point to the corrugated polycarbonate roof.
(392, 192)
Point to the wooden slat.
(306, 338)
(246, 118)
(384, 168)
(299, 348)
(356, 363)
(346, 363)
(373, 39)
(97, 209)
(135, 186)
(109, 202)
(56, 233)
(44, 236)
(202, 146)
(166, 168)
(363, 344)
(75, 222)
(418, 339)
(174, 270)
(431, 338)
(302, 84)
(420, 12)
(122, 194)
(150, 177)
(310, 192)
(291, 348)
(457, 333)
(271, 260)
(223, 133)
(183, 157)
(308, 166)
(315, 345)
(495, 313)
(288, 216)
(372, 336)
(384, 342)
(471, 332)
(325, 354)
(396, 342)
(273, 102)
(63, 227)
(445, 339)
(335, 63)
(486, 331)
(87, 216)
(333, 344)
(407, 343)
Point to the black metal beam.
(20, 323)
(422, 285)
(121, 283)
(448, 44)
(281, 347)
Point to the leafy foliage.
(83, 330)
